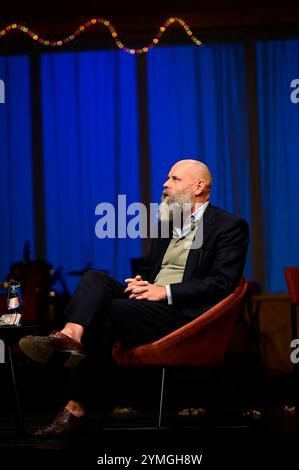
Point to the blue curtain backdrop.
(90, 156)
(197, 109)
(16, 193)
(277, 66)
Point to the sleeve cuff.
(168, 293)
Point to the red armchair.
(202, 342)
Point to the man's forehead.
(179, 169)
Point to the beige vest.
(174, 261)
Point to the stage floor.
(246, 422)
(220, 439)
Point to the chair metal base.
(179, 428)
(174, 427)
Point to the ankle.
(76, 408)
(73, 330)
(70, 333)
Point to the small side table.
(10, 336)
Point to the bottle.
(14, 303)
(14, 297)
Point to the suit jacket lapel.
(208, 220)
(194, 253)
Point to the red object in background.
(35, 280)
(292, 278)
(3, 304)
(30, 310)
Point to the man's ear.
(200, 186)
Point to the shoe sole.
(42, 353)
(38, 352)
(74, 360)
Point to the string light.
(61, 42)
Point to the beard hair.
(176, 209)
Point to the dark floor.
(248, 420)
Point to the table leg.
(20, 417)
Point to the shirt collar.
(189, 224)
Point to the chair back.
(201, 342)
(292, 278)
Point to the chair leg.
(161, 397)
(20, 417)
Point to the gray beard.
(176, 211)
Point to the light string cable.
(66, 40)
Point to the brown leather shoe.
(41, 348)
(64, 424)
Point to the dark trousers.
(100, 305)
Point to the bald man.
(178, 282)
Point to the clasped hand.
(143, 290)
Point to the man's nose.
(166, 184)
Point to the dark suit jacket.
(213, 270)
